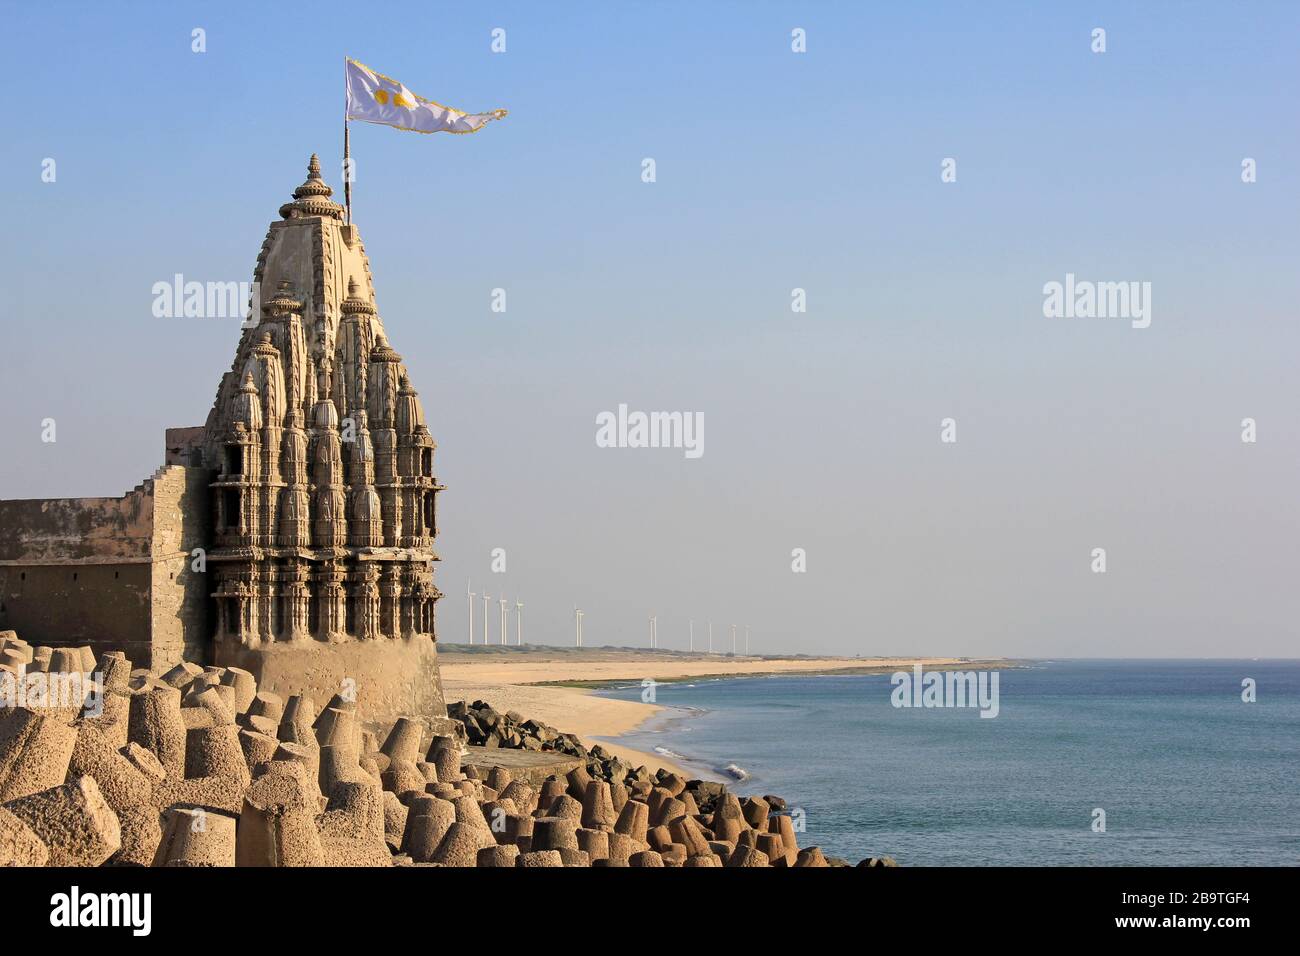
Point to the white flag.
(375, 98)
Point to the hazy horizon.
(775, 171)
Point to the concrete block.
(257, 748)
(686, 832)
(634, 821)
(573, 857)
(618, 796)
(755, 810)
(395, 815)
(243, 686)
(669, 810)
(35, 751)
(352, 826)
(747, 856)
(277, 825)
(595, 843)
(811, 857)
(402, 776)
(783, 826)
(403, 740)
(181, 675)
(267, 705)
(554, 833)
(598, 806)
(155, 724)
(196, 838)
(536, 858)
(523, 796)
(674, 855)
(444, 754)
(426, 825)
(461, 844)
(728, 821)
(492, 856)
(659, 838)
(144, 761)
(73, 820)
(568, 808)
(707, 859)
(19, 844)
(577, 780)
(297, 724)
(621, 848)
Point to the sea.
(1087, 763)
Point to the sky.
(774, 171)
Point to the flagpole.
(347, 149)
(347, 169)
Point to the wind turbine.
(692, 626)
(733, 639)
(486, 601)
(577, 626)
(472, 596)
(746, 638)
(710, 637)
(654, 629)
(505, 625)
(519, 622)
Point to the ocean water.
(1186, 773)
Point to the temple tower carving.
(324, 495)
(309, 496)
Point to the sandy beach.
(529, 680)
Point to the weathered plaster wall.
(77, 530)
(114, 573)
(104, 605)
(77, 571)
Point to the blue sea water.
(1186, 772)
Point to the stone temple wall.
(109, 572)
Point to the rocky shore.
(197, 767)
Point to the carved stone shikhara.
(309, 495)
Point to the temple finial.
(312, 198)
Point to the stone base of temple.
(390, 678)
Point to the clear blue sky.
(775, 171)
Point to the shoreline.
(664, 722)
(593, 719)
(560, 687)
